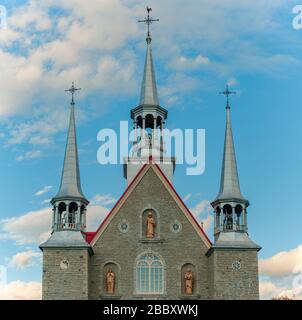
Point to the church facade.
(149, 246)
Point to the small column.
(78, 216)
(84, 219)
(234, 227)
(154, 132)
(162, 138)
(244, 212)
(67, 215)
(53, 218)
(135, 132)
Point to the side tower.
(148, 122)
(66, 253)
(233, 257)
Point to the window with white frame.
(149, 274)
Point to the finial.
(148, 21)
(72, 90)
(227, 93)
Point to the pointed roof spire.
(229, 184)
(70, 181)
(149, 94)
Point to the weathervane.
(148, 21)
(227, 93)
(72, 90)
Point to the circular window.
(124, 226)
(236, 265)
(175, 226)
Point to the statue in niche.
(150, 232)
(110, 282)
(189, 281)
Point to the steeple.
(229, 184)
(230, 206)
(70, 203)
(70, 181)
(148, 120)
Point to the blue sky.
(197, 49)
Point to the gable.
(151, 184)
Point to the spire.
(149, 94)
(229, 184)
(70, 181)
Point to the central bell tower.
(148, 121)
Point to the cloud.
(207, 223)
(202, 207)
(19, 290)
(24, 259)
(283, 263)
(95, 216)
(269, 290)
(283, 274)
(103, 200)
(185, 63)
(43, 191)
(32, 227)
(29, 155)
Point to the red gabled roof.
(91, 235)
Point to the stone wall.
(229, 282)
(175, 249)
(64, 284)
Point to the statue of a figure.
(150, 225)
(189, 282)
(110, 281)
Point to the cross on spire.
(227, 93)
(72, 90)
(148, 21)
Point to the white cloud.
(103, 200)
(207, 223)
(184, 63)
(202, 207)
(19, 290)
(283, 263)
(32, 227)
(43, 191)
(30, 155)
(269, 290)
(95, 216)
(283, 274)
(22, 260)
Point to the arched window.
(149, 274)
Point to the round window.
(175, 226)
